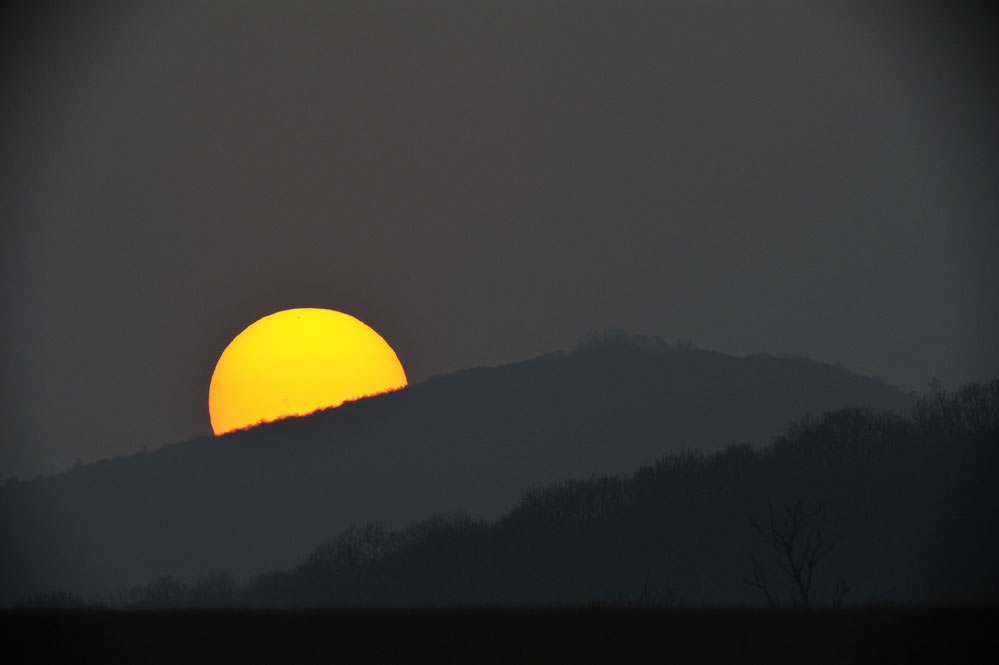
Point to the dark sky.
(483, 182)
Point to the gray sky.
(483, 182)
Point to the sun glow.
(297, 361)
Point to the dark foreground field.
(585, 635)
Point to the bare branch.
(761, 582)
(839, 592)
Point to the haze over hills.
(471, 441)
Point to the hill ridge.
(471, 441)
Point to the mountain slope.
(472, 441)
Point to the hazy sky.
(482, 182)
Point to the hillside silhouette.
(471, 442)
(895, 510)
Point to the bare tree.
(351, 554)
(799, 542)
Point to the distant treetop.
(615, 338)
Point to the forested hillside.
(473, 442)
(869, 507)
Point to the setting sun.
(296, 361)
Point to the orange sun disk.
(297, 361)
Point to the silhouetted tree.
(969, 413)
(614, 338)
(799, 543)
(161, 593)
(215, 589)
(443, 560)
(350, 555)
(684, 344)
